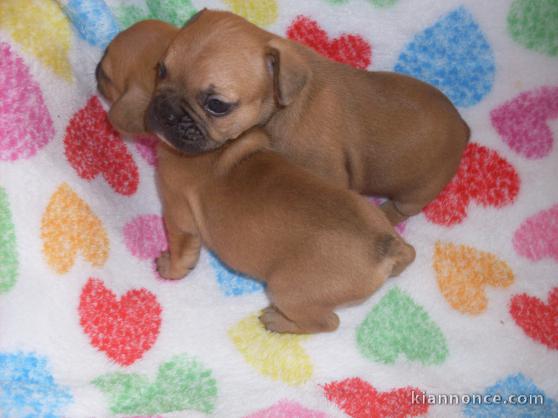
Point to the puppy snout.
(168, 115)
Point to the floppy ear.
(389, 246)
(127, 114)
(289, 70)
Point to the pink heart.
(537, 237)
(25, 123)
(287, 409)
(146, 146)
(521, 122)
(145, 237)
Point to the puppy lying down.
(315, 245)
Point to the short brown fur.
(317, 246)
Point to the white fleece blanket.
(87, 329)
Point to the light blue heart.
(93, 21)
(452, 55)
(514, 385)
(231, 282)
(28, 389)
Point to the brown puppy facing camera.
(378, 133)
(317, 246)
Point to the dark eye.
(217, 107)
(161, 71)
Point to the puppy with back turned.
(379, 133)
(317, 246)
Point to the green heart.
(398, 325)
(8, 254)
(181, 383)
(534, 24)
(176, 12)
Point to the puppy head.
(126, 74)
(221, 76)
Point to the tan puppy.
(378, 133)
(316, 246)
(122, 76)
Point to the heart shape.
(182, 383)
(147, 148)
(359, 399)
(509, 389)
(259, 12)
(453, 55)
(28, 388)
(278, 356)
(42, 30)
(175, 12)
(536, 237)
(534, 24)
(537, 319)
(69, 225)
(25, 123)
(397, 325)
(347, 48)
(93, 21)
(93, 147)
(521, 122)
(8, 248)
(145, 238)
(231, 282)
(286, 409)
(124, 329)
(463, 272)
(482, 176)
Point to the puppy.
(122, 76)
(317, 246)
(378, 133)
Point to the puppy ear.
(127, 114)
(289, 70)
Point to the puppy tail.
(396, 250)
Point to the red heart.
(93, 146)
(359, 399)
(537, 319)
(482, 176)
(123, 329)
(348, 49)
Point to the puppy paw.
(275, 321)
(166, 270)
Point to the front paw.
(167, 270)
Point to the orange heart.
(69, 225)
(463, 272)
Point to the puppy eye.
(217, 107)
(161, 71)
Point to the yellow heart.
(42, 29)
(69, 225)
(259, 12)
(463, 272)
(279, 356)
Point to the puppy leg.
(183, 254)
(297, 309)
(393, 213)
(313, 320)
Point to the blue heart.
(93, 21)
(231, 282)
(452, 55)
(514, 385)
(27, 389)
